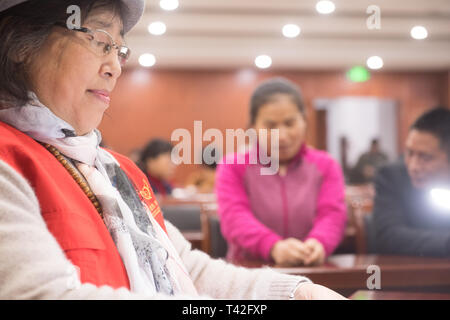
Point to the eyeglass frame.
(113, 44)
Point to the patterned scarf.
(151, 261)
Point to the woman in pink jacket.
(296, 216)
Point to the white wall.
(361, 119)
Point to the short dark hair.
(213, 153)
(437, 122)
(23, 30)
(264, 93)
(374, 142)
(154, 148)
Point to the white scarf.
(151, 261)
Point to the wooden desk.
(348, 273)
(207, 202)
(393, 295)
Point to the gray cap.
(134, 11)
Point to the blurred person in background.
(203, 179)
(158, 166)
(368, 163)
(135, 156)
(296, 216)
(412, 202)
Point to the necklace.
(76, 176)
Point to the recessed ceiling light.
(157, 28)
(419, 32)
(263, 61)
(375, 62)
(291, 30)
(325, 7)
(169, 5)
(147, 60)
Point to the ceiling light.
(325, 7)
(263, 61)
(291, 30)
(157, 28)
(375, 62)
(147, 60)
(169, 5)
(419, 32)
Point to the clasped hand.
(293, 252)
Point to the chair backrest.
(202, 218)
(184, 217)
(359, 209)
(370, 233)
(218, 244)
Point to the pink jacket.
(258, 210)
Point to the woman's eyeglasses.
(102, 43)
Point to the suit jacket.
(406, 221)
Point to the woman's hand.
(290, 252)
(293, 252)
(317, 253)
(312, 291)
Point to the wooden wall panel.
(446, 90)
(153, 103)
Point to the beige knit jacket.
(33, 265)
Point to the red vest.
(69, 214)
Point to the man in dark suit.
(407, 219)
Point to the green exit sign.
(358, 74)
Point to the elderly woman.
(65, 203)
